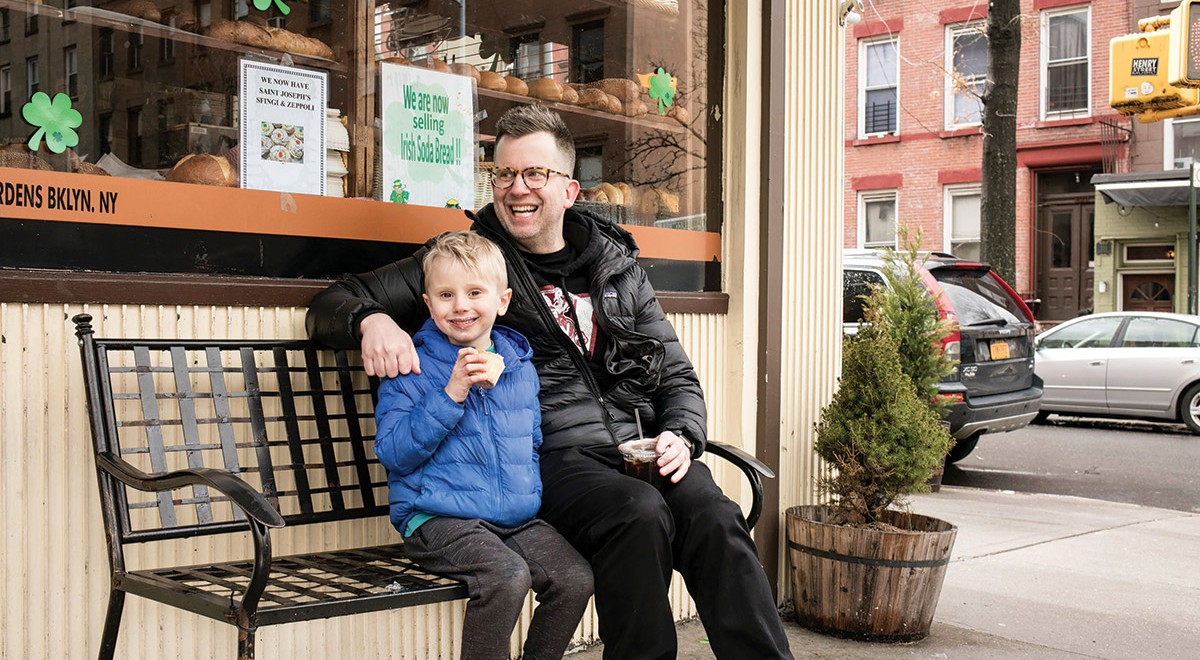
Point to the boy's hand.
(469, 369)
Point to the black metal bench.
(200, 437)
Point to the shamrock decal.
(56, 121)
(661, 90)
(263, 5)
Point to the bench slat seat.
(301, 587)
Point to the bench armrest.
(250, 501)
(750, 466)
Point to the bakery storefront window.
(301, 97)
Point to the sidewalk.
(1041, 576)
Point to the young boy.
(460, 443)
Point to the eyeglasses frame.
(492, 169)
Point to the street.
(1150, 464)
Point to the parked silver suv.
(994, 387)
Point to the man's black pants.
(634, 535)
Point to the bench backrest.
(292, 419)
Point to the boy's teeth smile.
(463, 323)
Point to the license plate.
(999, 350)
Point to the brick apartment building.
(914, 141)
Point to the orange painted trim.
(63, 197)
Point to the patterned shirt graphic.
(583, 311)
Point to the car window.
(977, 298)
(1092, 333)
(855, 285)
(1148, 331)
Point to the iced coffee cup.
(640, 461)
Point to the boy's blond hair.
(472, 251)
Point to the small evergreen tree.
(883, 441)
(905, 310)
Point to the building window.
(134, 131)
(136, 41)
(5, 90)
(106, 136)
(5, 31)
(589, 165)
(966, 60)
(878, 76)
(1066, 64)
(588, 48)
(33, 76)
(240, 8)
(31, 24)
(877, 219)
(166, 53)
(318, 10)
(204, 13)
(962, 221)
(71, 71)
(106, 53)
(527, 53)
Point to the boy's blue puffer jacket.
(478, 459)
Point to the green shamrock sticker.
(263, 5)
(660, 90)
(56, 121)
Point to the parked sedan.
(1123, 364)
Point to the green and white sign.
(428, 137)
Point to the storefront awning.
(1169, 188)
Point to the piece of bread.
(546, 89)
(668, 202)
(594, 99)
(680, 114)
(203, 169)
(144, 9)
(24, 159)
(613, 193)
(84, 167)
(317, 48)
(514, 85)
(438, 65)
(185, 19)
(570, 95)
(636, 108)
(254, 35)
(613, 104)
(495, 367)
(622, 88)
(223, 30)
(626, 193)
(463, 69)
(493, 81)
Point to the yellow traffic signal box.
(1184, 59)
(1138, 75)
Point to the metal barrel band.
(889, 563)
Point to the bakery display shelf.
(106, 18)
(648, 120)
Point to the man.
(603, 350)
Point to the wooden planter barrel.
(867, 584)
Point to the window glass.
(33, 76)
(879, 94)
(71, 71)
(967, 54)
(5, 90)
(1151, 332)
(855, 285)
(879, 220)
(1092, 333)
(964, 223)
(1066, 66)
(977, 298)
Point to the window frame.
(135, 55)
(949, 193)
(953, 80)
(864, 46)
(106, 67)
(71, 71)
(5, 25)
(577, 64)
(1044, 65)
(33, 76)
(6, 90)
(872, 196)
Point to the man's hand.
(386, 349)
(674, 456)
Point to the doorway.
(1148, 292)
(1065, 257)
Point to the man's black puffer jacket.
(650, 371)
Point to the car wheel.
(962, 449)
(1189, 407)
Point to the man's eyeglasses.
(535, 178)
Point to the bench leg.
(246, 643)
(112, 624)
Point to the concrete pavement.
(1040, 576)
